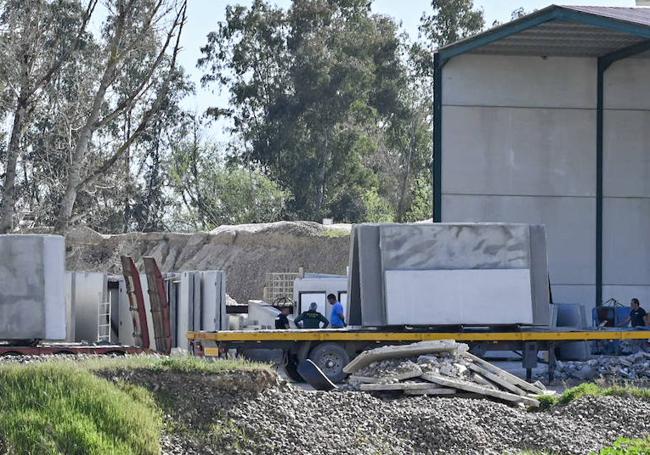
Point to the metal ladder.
(104, 321)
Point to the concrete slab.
(393, 352)
(431, 391)
(475, 388)
(499, 380)
(504, 374)
(403, 386)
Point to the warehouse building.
(547, 120)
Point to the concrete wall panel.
(570, 230)
(518, 151)
(32, 295)
(626, 166)
(626, 84)
(626, 231)
(479, 80)
(496, 296)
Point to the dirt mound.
(245, 252)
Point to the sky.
(204, 15)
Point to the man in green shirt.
(311, 318)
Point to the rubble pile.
(438, 368)
(633, 367)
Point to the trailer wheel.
(331, 358)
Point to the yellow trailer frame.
(556, 335)
(297, 344)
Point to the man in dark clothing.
(637, 314)
(282, 321)
(311, 318)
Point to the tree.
(312, 92)
(132, 36)
(38, 38)
(213, 193)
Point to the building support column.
(436, 157)
(604, 63)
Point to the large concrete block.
(569, 223)
(626, 230)
(32, 287)
(494, 80)
(626, 160)
(423, 273)
(497, 150)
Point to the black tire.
(331, 358)
(291, 368)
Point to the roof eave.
(547, 14)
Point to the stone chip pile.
(437, 368)
(633, 367)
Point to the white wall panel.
(570, 227)
(626, 235)
(518, 151)
(626, 84)
(496, 296)
(626, 160)
(479, 80)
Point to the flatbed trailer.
(332, 349)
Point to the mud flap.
(314, 376)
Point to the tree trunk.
(13, 150)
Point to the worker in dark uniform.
(311, 318)
(282, 321)
(637, 316)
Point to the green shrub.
(57, 408)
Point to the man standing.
(338, 317)
(637, 314)
(311, 318)
(282, 321)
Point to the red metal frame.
(159, 306)
(136, 301)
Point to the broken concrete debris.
(437, 368)
(635, 367)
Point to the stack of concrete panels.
(448, 274)
(32, 294)
(197, 302)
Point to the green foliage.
(214, 193)
(173, 364)
(55, 408)
(626, 446)
(321, 100)
(591, 389)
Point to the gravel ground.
(289, 422)
(256, 413)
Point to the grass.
(55, 408)
(591, 389)
(63, 407)
(625, 446)
(173, 364)
(334, 232)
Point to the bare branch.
(130, 100)
(178, 24)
